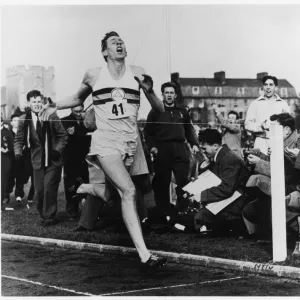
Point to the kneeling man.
(233, 173)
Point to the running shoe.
(152, 264)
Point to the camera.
(246, 153)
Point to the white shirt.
(262, 109)
(34, 119)
(215, 157)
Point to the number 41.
(115, 109)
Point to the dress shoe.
(81, 229)
(73, 189)
(49, 222)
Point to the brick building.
(229, 94)
(19, 81)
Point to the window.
(218, 90)
(283, 92)
(195, 90)
(241, 90)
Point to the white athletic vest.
(116, 102)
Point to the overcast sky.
(241, 40)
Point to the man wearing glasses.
(75, 163)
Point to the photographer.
(233, 174)
(259, 184)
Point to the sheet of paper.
(216, 207)
(204, 181)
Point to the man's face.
(269, 88)
(169, 95)
(15, 122)
(77, 112)
(231, 118)
(209, 150)
(35, 104)
(115, 49)
(286, 130)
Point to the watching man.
(233, 173)
(47, 141)
(75, 164)
(259, 112)
(166, 135)
(231, 131)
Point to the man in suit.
(233, 173)
(75, 164)
(47, 141)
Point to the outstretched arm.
(77, 99)
(146, 84)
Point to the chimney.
(260, 76)
(220, 76)
(175, 77)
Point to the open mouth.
(119, 50)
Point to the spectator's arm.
(60, 133)
(263, 167)
(19, 138)
(190, 133)
(89, 120)
(233, 128)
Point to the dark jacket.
(78, 143)
(232, 171)
(57, 140)
(174, 124)
(7, 140)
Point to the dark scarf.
(46, 138)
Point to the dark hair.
(104, 41)
(34, 94)
(232, 112)
(210, 136)
(275, 80)
(168, 84)
(284, 119)
(14, 116)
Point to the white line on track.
(170, 286)
(47, 285)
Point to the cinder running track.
(36, 271)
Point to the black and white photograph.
(150, 149)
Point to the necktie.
(39, 128)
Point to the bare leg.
(115, 170)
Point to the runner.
(116, 97)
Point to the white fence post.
(278, 193)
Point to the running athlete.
(116, 97)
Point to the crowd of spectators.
(171, 152)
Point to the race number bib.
(117, 109)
